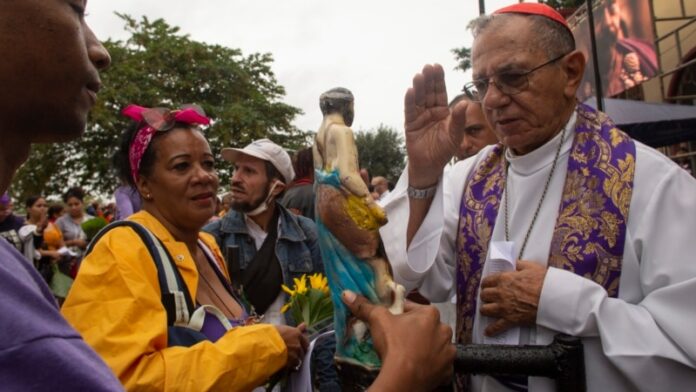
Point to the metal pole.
(595, 60)
(482, 7)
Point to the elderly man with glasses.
(566, 226)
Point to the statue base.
(354, 377)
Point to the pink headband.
(157, 119)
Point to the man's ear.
(278, 187)
(574, 68)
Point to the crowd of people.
(51, 235)
(182, 292)
(127, 322)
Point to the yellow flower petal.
(287, 290)
(301, 287)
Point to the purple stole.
(591, 226)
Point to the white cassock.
(643, 340)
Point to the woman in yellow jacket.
(115, 301)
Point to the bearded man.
(600, 226)
(272, 245)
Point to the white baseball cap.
(266, 150)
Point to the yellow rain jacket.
(115, 304)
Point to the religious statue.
(348, 220)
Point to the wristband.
(416, 193)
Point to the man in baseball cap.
(272, 245)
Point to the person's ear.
(278, 187)
(574, 69)
(143, 186)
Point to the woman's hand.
(41, 226)
(296, 342)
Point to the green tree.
(463, 57)
(158, 66)
(381, 152)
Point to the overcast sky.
(372, 47)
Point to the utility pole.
(482, 7)
(595, 59)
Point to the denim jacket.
(297, 248)
(298, 252)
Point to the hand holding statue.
(431, 138)
(512, 297)
(407, 363)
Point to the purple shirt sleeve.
(38, 348)
(127, 202)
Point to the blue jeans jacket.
(298, 252)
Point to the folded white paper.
(501, 259)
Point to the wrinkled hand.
(512, 297)
(429, 142)
(407, 363)
(296, 342)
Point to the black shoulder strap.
(172, 287)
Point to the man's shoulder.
(26, 297)
(657, 178)
(654, 164)
(232, 221)
(12, 222)
(304, 224)
(213, 227)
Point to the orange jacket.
(115, 304)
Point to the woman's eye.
(210, 165)
(181, 166)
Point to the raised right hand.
(407, 364)
(296, 342)
(430, 142)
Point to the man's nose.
(494, 98)
(97, 53)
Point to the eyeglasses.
(163, 119)
(509, 83)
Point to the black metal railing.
(562, 360)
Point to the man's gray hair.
(335, 100)
(552, 37)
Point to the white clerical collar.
(542, 156)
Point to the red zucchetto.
(534, 9)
